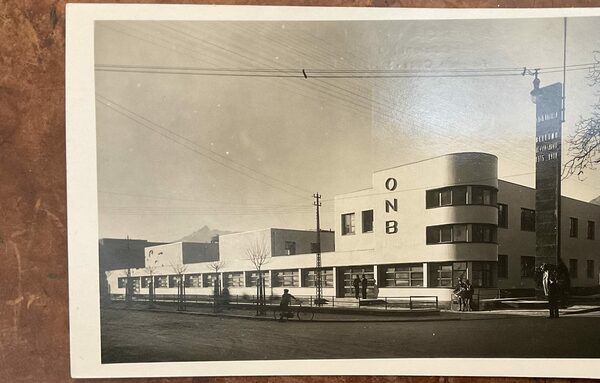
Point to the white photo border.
(82, 203)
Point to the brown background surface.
(34, 337)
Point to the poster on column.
(332, 191)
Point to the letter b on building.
(391, 227)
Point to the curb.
(259, 318)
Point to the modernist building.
(418, 229)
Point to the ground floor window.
(174, 280)
(146, 282)
(252, 277)
(161, 281)
(349, 274)
(527, 267)
(122, 282)
(285, 278)
(482, 274)
(193, 280)
(309, 277)
(208, 280)
(235, 279)
(403, 275)
(446, 274)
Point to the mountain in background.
(596, 200)
(204, 235)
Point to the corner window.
(348, 224)
(367, 221)
(574, 231)
(503, 216)
(527, 219)
(461, 195)
(458, 233)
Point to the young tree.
(179, 269)
(215, 266)
(151, 266)
(584, 143)
(258, 253)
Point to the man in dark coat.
(364, 283)
(356, 285)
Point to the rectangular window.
(309, 277)
(502, 266)
(252, 277)
(482, 274)
(146, 282)
(348, 224)
(459, 233)
(404, 275)
(193, 280)
(446, 234)
(290, 247)
(527, 267)
(235, 279)
(591, 230)
(174, 280)
(285, 278)
(527, 219)
(503, 216)
(459, 195)
(446, 197)
(574, 231)
(589, 270)
(476, 232)
(573, 268)
(122, 282)
(161, 281)
(367, 221)
(208, 280)
(446, 274)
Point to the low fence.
(386, 303)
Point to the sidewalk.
(571, 311)
(364, 315)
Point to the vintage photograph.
(347, 189)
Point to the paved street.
(138, 336)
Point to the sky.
(177, 151)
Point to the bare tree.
(216, 266)
(584, 143)
(258, 253)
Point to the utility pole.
(318, 280)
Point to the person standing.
(364, 283)
(356, 285)
(468, 295)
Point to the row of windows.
(546, 137)
(574, 228)
(528, 267)
(465, 232)
(461, 195)
(279, 278)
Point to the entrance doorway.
(346, 276)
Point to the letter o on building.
(391, 184)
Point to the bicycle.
(302, 313)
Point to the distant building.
(419, 228)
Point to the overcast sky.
(178, 151)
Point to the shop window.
(234, 279)
(208, 280)
(367, 221)
(193, 280)
(290, 247)
(161, 281)
(252, 278)
(589, 270)
(446, 274)
(573, 268)
(285, 278)
(348, 224)
(146, 282)
(527, 267)
(527, 219)
(404, 276)
(591, 230)
(309, 277)
(503, 216)
(574, 231)
(502, 266)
